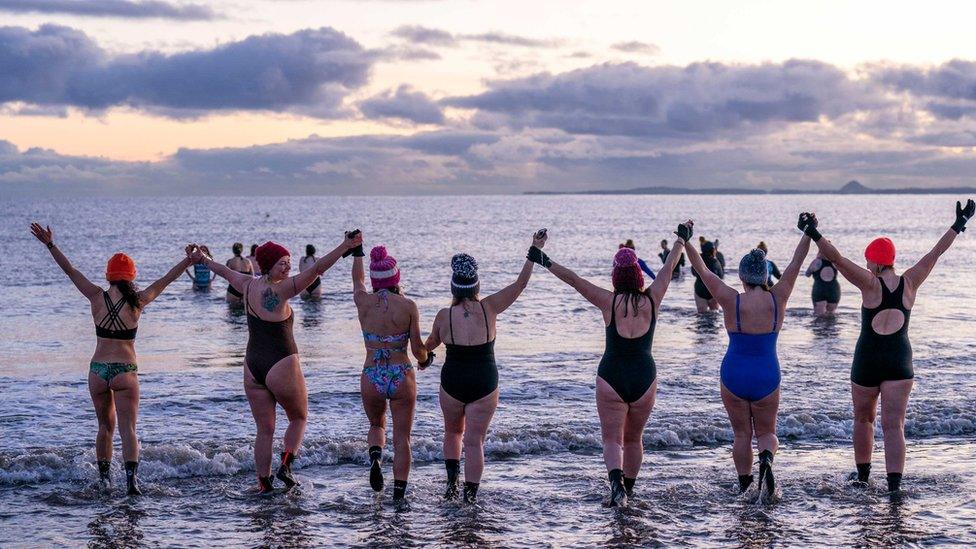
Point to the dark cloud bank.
(795, 124)
(146, 9)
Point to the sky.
(262, 97)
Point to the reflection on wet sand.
(116, 527)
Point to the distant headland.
(852, 187)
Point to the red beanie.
(881, 251)
(120, 267)
(627, 273)
(268, 254)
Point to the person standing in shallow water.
(255, 268)
(314, 290)
(241, 265)
(704, 300)
(882, 366)
(469, 376)
(626, 382)
(389, 321)
(750, 373)
(640, 262)
(113, 382)
(826, 287)
(272, 370)
(665, 252)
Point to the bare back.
(464, 323)
(239, 264)
(114, 350)
(264, 302)
(758, 311)
(630, 325)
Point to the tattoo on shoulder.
(270, 300)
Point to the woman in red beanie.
(112, 379)
(626, 380)
(389, 322)
(882, 364)
(272, 372)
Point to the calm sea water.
(545, 483)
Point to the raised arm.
(237, 280)
(301, 281)
(152, 292)
(596, 295)
(85, 286)
(660, 285)
(715, 285)
(921, 270)
(503, 299)
(852, 272)
(784, 286)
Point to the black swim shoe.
(453, 467)
(894, 482)
(855, 481)
(284, 473)
(618, 493)
(629, 486)
(265, 485)
(375, 472)
(105, 473)
(767, 484)
(471, 492)
(131, 467)
(399, 490)
(745, 481)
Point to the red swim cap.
(881, 251)
(268, 254)
(120, 268)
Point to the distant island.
(852, 187)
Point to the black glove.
(963, 215)
(430, 360)
(536, 255)
(684, 232)
(808, 223)
(358, 250)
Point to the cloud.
(308, 71)
(418, 34)
(701, 101)
(112, 8)
(954, 79)
(637, 47)
(405, 104)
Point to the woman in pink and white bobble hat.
(389, 321)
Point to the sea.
(545, 482)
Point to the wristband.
(813, 233)
(50, 245)
(430, 360)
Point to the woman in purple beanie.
(389, 321)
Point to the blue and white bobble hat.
(464, 272)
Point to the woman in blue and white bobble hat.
(469, 377)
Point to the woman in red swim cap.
(882, 365)
(272, 372)
(112, 379)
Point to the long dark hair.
(129, 294)
(634, 297)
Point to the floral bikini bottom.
(384, 375)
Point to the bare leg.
(287, 383)
(374, 404)
(104, 404)
(832, 308)
(820, 308)
(453, 411)
(402, 405)
(701, 304)
(740, 416)
(478, 416)
(894, 403)
(634, 424)
(263, 405)
(865, 410)
(126, 389)
(713, 304)
(764, 413)
(613, 415)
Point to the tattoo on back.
(270, 300)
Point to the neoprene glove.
(808, 224)
(536, 255)
(963, 215)
(684, 232)
(358, 250)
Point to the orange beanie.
(120, 267)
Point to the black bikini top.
(111, 326)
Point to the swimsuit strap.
(653, 311)
(893, 299)
(450, 322)
(247, 306)
(111, 320)
(487, 332)
(613, 310)
(738, 323)
(775, 311)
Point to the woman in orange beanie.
(272, 371)
(883, 356)
(112, 379)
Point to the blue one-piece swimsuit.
(750, 369)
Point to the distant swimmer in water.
(112, 379)
(626, 382)
(469, 376)
(255, 268)
(272, 371)
(665, 252)
(750, 372)
(772, 271)
(826, 287)
(389, 322)
(640, 262)
(883, 355)
(314, 290)
(201, 276)
(241, 265)
(704, 300)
